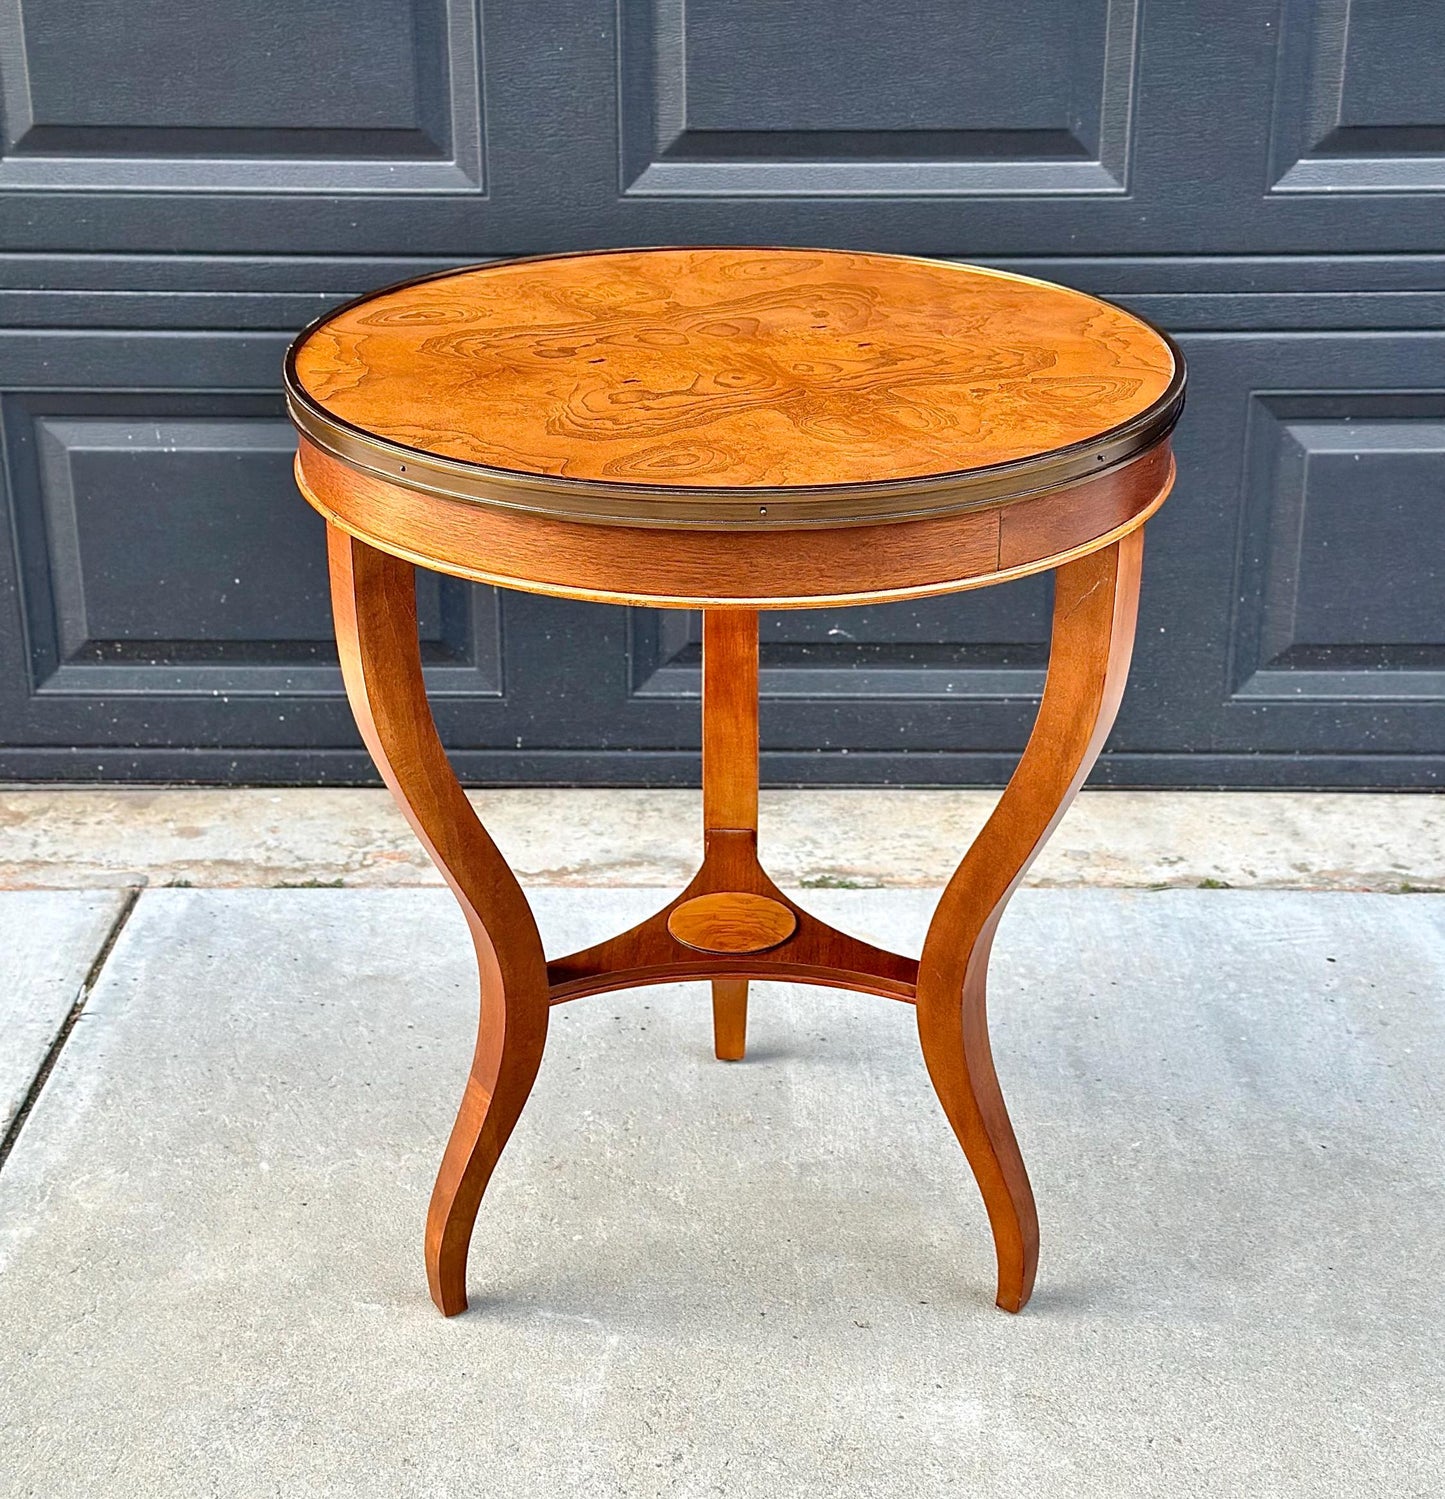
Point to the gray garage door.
(182, 184)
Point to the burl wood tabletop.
(710, 368)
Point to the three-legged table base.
(732, 924)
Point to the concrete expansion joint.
(68, 1024)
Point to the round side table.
(733, 430)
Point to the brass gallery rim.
(730, 507)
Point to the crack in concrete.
(52, 1056)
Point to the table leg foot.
(503, 1071)
(730, 1019)
(1095, 605)
(373, 597)
(956, 1050)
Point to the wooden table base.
(732, 924)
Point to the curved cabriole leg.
(1095, 605)
(373, 597)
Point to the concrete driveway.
(696, 1279)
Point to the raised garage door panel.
(1361, 99)
(719, 97)
(167, 586)
(368, 96)
(1309, 537)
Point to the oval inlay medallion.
(732, 922)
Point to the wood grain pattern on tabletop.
(733, 368)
